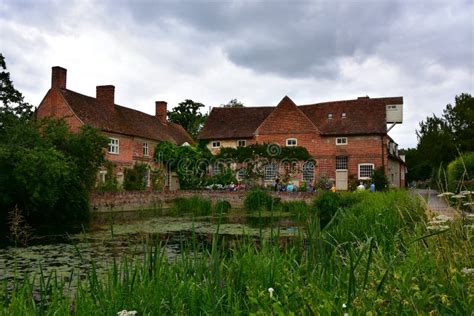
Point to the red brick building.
(132, 134)
(348, 139)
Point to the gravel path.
(437, 205)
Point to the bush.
(258, 200)
(461, 173)
(222, 207)
(135, 178)
(380, 179)
(326, 205)
(110, 184)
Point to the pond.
(115, 235)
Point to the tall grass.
(198, 206)
(375, 256)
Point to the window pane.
(270, 172)
(308, 171)
(341, 163)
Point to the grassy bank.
(375, 255)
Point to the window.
(308, 171)
(343, 115)
(341, 141)
(341, 163)
(330, 116)
(216, 169)
(270, 172)
(291, 142)
(102, 175)
(366, 170)
(113, 146)
(241, 174)
(241, 143)
(145, 149)
(216, 144)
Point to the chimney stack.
(58, 77)
(106, 96)
(160, 111)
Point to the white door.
(341, 180)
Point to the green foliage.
(195, 205)
(374, 264)
(461, 173)
(110, 184)
(380, 179)
(258, 200)
(440, 139)
(42, 172)
(268, 151)
(326, 205)
(222, 207)
(225, 177)
(234, 103)
(135, 178)
(187, 114)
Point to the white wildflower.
(441, 227)
(445, 194)
(458, 196)
(469, 226)
(467, 271)
(270, 290)
(127, 313)
(466, 192)
(468, 203)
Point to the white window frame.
(291, 145)
(241, 143)
(216, 144)
(114, 146)
(363, 165)
(270, 172)
(341, 141)
(343, 115)
(308, 171)
(145, 149)
(216, 169)
(329, 116)
(241, 174)
(102, 176)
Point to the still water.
(115, 235)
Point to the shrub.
(461, 173)
(222, 207)
(135, 178)
(380, 179)
(110, 184)
(326, 205)
(258, 200)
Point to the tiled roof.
(362, 116)
(123, 120)
(227, 123)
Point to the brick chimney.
(160, 111)
(58, 77)
(106, 96)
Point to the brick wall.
(54, 105)
(130, 201)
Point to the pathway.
(437, 205)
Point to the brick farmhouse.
(348, 139)
(132, 134)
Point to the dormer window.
(343, 115)
(216, 144)
(291, 142)
(330, 116)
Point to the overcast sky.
(255, 51)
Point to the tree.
(187, 114)
(46, 171)
(13, 107)
(441, 139)
(234, 103)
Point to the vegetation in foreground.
(375, 255)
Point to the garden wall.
(139, 200)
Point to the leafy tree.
(380, 179)
(135, 178)
(12, 100)
(46, 172)
(234, 103)
(187, 114)
(441, 139)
